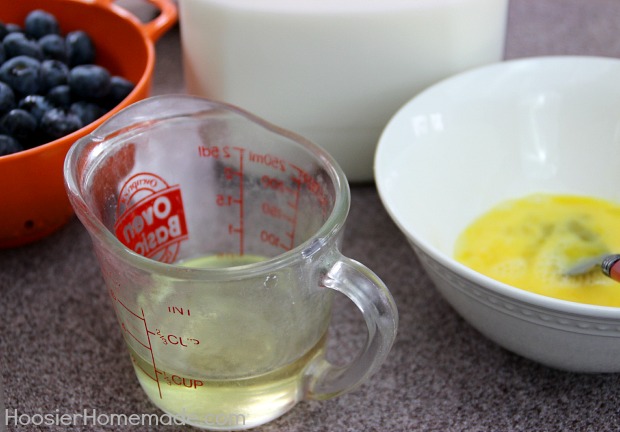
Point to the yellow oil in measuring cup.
(233, 401)
(233, 382)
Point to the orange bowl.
(33, 202)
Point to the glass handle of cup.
(378, 308)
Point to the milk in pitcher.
(334, 71)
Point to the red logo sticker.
(150, 218)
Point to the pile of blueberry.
(49, 84)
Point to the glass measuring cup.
(217, 235)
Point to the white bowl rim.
(479, 279)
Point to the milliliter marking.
(241, 204)
(294, 205)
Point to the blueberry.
(7, 98)
(53, 73)
(2, 54)
(9, 145)
(56, 123)
(13, 28)
(60, 96)
(53, 47)
(22, 74)
(39, 23)
(119, 90)
(89, 81)
(3, 30)
(18, 123)
(80, 48)
(36, 105)
(88, 112)
(17, 44)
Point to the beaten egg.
(530, 243)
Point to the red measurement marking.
(214, 152)
(295, 206)
(274, 240)
(276, 184)
(224, 200)
(234, 230)
(268, 160)
(143, 370)
(179, 310)
(241, 206)
(124, 327)
(313, 186)
(276, 212)
(128, 310)
(150, 348)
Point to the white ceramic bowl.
(548, 124)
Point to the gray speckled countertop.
(61, 350)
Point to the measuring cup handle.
(373, 299)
